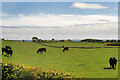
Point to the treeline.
(101, 41)
(112, 41)
(35, 39)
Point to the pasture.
(88, 63)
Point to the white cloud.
(100, 31)
(48, 20)
(88, 6)
(68, 26)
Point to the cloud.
(49, 20)
(47, 26)
(100, 31)
(88, 6)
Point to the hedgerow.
(11, 71)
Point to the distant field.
(76, 44)
(88, 63)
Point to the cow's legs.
(115, 66)
(110, 66)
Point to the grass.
(76, 44)
(88, 63)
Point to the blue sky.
(56, 8)
(60, 0)
(60, 20)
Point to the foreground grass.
(88, 63)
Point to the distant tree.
(91, 40)
(107, 41)
(23, 40)
(62, 40)
(39, 40)
(53, 40)
(114, 41)
(110, 41)
(34, 39)
(3, 39)
(69, 40)
(118, 40)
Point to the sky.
(59, 0)
(59, 20)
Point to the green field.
(76, 44)
(88, 63)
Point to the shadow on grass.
(6, 55)
(107, 68)
(41, 53)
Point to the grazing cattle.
(4, 50)
(10, 52)
(41, 50)
(8, 47)
(65, 49)
(113, 62)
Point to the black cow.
(7, 51)
(65, 49)
(41, 50)
(4, 50)
(113, 62)
(10, 52)
(8, 47)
